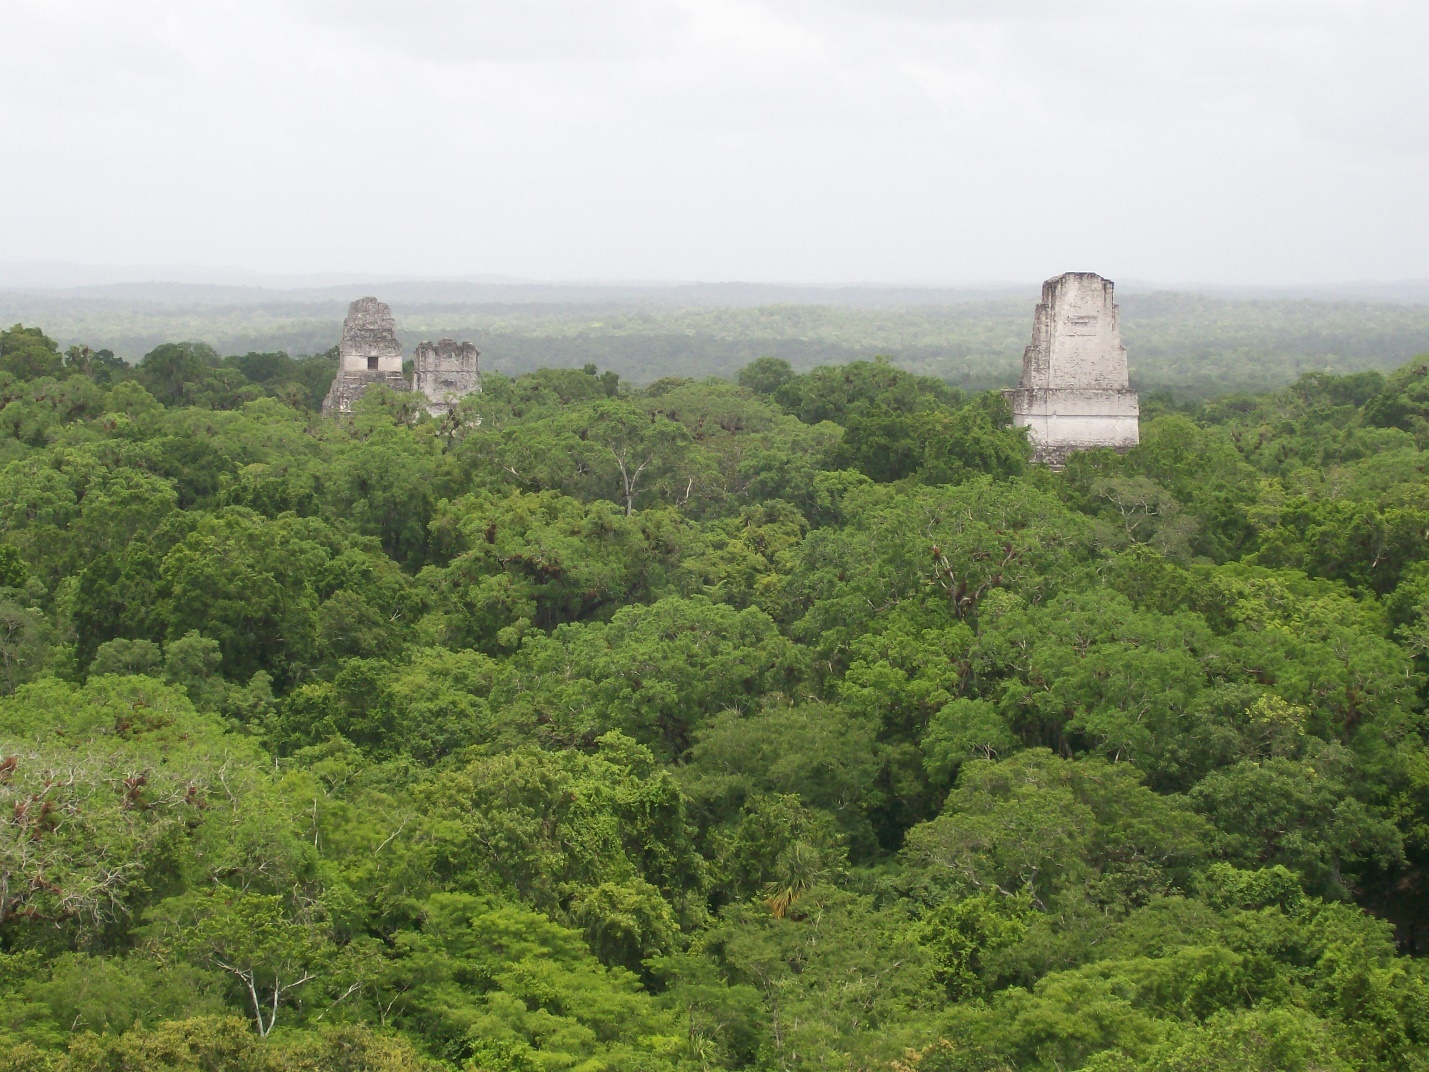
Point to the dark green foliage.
(859, 389)
(1402, 402)
(766, 375)
(176, 369)
(28, 353)
(792, 725)
(12, 568)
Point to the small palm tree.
(798, 869)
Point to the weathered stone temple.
(369, 353)
(445, 371)
(1074, 393)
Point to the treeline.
(1194, 346)
(186, 373)
(789, 723)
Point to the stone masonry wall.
(1074, 393)
(369, 353)
(445, 372)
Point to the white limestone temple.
(1074, 393)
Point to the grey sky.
(1254, 141)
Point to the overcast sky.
(938, 141)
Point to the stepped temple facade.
(445, 372)
(1074, 393)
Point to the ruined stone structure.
(1074, 393)
(445, 372)
(369, 353)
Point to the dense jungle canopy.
(792, 723)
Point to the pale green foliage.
(509, 989)
(248, 936)
(963, 730)
(100, 787)
(842, 979)
(1049, 828)
(551, 825)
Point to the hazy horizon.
(59, 276)
(813, 142)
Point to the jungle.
(791, 721)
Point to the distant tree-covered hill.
(1190, 345)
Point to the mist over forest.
(1194, 345)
